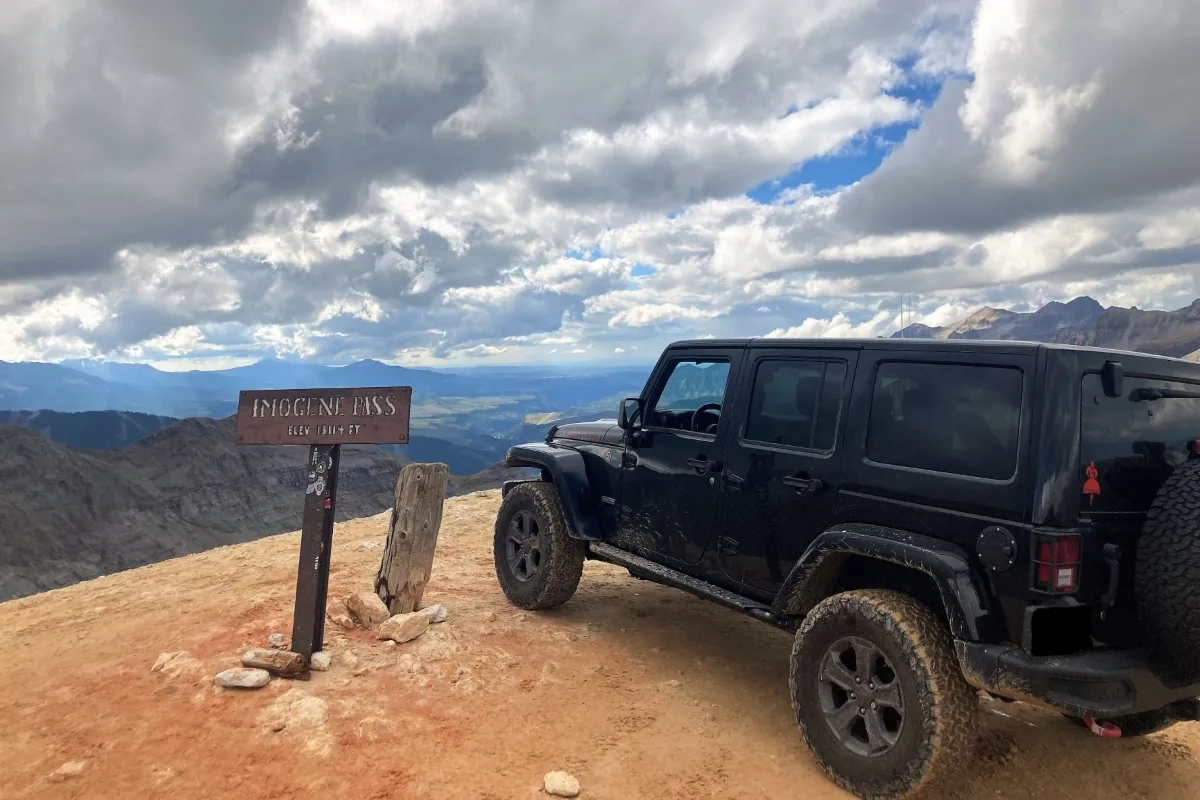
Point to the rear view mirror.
(630, 415)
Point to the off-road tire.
(561, 566)
(1168, 567)
(938, 734)
(1143, 723)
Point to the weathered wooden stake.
(412, 536)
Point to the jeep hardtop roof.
(942, 345)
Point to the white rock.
(164, 659)
(437, 613)
(278, 641)
(320, 661)
(67, 770)
(560, 784)
(307, 716)
(175, 664)
(404, 627)
(241, 678)
(296, 708)
(367, 609)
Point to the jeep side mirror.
(629, 417)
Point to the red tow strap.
(1103, 729)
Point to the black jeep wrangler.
(931, 518)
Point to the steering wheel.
(707, 408)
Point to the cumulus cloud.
(504, 179)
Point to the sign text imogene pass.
(375, 415)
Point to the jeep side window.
(690, 385)
(795, 403)
(962, 420)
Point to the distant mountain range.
(72, 514)
(1083, 321)
(459, 408)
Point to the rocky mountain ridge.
(1082, 321)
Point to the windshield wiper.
(1138, 395)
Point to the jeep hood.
(602, 431)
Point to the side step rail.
(653, 571)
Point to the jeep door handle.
(805, 485)
(703, 465)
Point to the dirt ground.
(639, 691)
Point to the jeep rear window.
(1134, 444)
(957, 419)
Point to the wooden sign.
(323, 419)
(377, 415)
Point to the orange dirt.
(638, 690)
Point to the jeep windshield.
(1130, 444)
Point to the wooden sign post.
(323, 419)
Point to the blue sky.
(858, 157)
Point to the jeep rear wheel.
(538, 564)
(1168, 566)
(878, 694)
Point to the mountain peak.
(1085, 302)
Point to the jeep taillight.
(1056, 563)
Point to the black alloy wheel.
(862, 701)
(523, 546)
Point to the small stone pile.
(362, 610)
(365, 610)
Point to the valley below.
(73, 514)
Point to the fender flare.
(947, 564)
(564, 468)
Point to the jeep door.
(669, 489)
(780, 481)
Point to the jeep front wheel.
(878, 694)
(538, 564)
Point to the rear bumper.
(1101, 684)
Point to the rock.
(337, 613)
(436, 612)
(404, 627)
(166, 658)
(278, 641)
(560, 784)
(177, 663)
(296, 710)
(367, 609)
(239, 678)
(283, 663)
(320, 661)
(67, 770)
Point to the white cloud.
(839, 327)
(407, 179)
